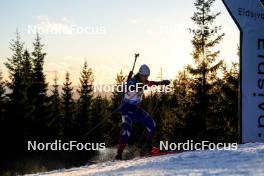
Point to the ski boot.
(147, 149)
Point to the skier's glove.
(165, 82)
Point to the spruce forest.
(203, 103)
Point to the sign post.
(249, 17)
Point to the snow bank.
(247, 160)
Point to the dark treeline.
(202, 105)
(28, 113)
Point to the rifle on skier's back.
(131, 72)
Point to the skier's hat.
(144, 70)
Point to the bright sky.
(117, 29)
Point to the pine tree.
(181, 101)
(3, 116)
(2, 98)
(56, 122)
(28, 122)
(67, 105)
(17, 97)
(99, 114)
(27, 68)
(14, 66)
(85, 100)
(27, 80)
(181, 90)
(38, 90)
(39, 83)
(205, 57)
(226, 118)
(17, 105)
(55, 97)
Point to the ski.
(157, 152)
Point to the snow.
(248, 159)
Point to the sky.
(107, 33)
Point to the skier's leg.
(126, 129)
(145, 119)
(124, 135)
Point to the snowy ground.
(247, 160)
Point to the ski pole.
(100, 123)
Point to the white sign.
(249, 17)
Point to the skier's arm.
(131, 85)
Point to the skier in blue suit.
(131, 112)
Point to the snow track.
(247, 160)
